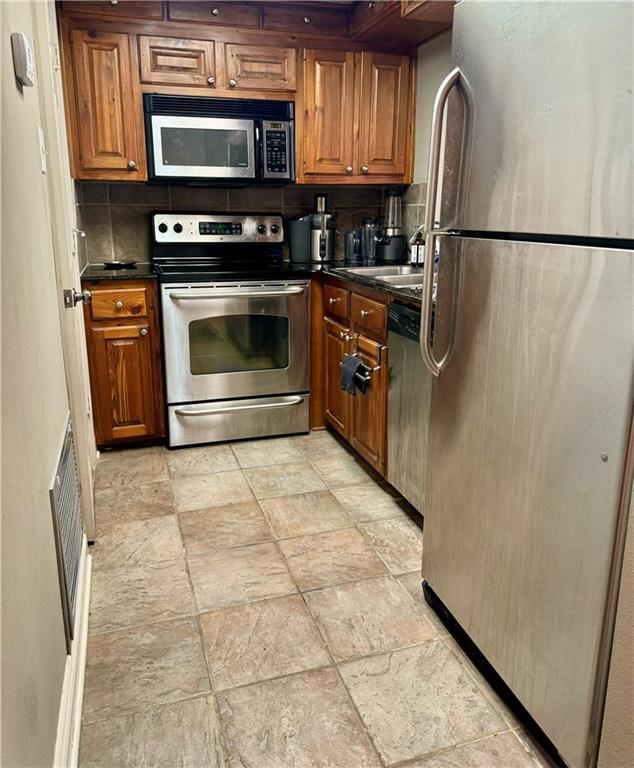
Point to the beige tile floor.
(258, 605)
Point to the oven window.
(206, 147)
(234, 343)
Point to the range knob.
(162, 227)
(178, 228)
(261, 229)
(275, 228)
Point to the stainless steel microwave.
(197, 139)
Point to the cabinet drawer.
(228, 14)
(311, 21)
(366, 15)
(174, 60)
(128, 9)
(260, 68)
(110, 304)
(336, 302)
(368, 315)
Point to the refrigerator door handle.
(434, 366)
(445, 89)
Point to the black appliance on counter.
(196, 139)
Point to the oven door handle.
(231, 409)
(237, 294)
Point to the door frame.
(65, 238)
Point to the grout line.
(414, 761)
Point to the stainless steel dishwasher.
(409, 397)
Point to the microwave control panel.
(277, 157)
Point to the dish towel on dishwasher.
(352, 372)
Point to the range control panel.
(276, 149)
(217, 228)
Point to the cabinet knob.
(307, 19)
(114, 2)
(332, 301)
(211, 80)
(119, 305)
(131, 165)
(233, 83)
(364, 169)
(348, 169)
(215, 11)
(364, 312)
(143, 331)
(371, 4)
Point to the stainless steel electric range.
(235, 327)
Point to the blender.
(391, 244)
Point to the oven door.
(234, 341)
(202, 147)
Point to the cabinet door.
(328, 123)
(106, 111)
(369, 411)
(385, 114)
(177, 61)
(260, 68)
(336, 400)
(122, 380)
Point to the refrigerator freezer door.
(527, 439)
(549, 130)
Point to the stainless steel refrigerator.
(531, 342)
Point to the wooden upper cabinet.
(109, 143)
(177, 61)
(329, 112)
(235, 14)
(259, 68)
(385, 114)
(124, 9)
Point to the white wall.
(433, 63)
(34, 411)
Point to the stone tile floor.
(258, 605)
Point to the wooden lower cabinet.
(368, 432)
(125, 370)
(336, 401)
(361, 418)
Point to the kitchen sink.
(413, 279)
(379, 272)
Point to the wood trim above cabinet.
(175, 60)
(235, 14)
(261, 68)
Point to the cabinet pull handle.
(332, 301)
(119, 305)
(232, 83)
(211, 80)
(348, 169)
(131, 165)
(144, 331)
(307, 19)
(364, 169)
(215, 11)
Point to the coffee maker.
(391, 247)
(312, 237)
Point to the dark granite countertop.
(143, 270)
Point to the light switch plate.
(23, 59)
(40, 136)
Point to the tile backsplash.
(115, 217)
